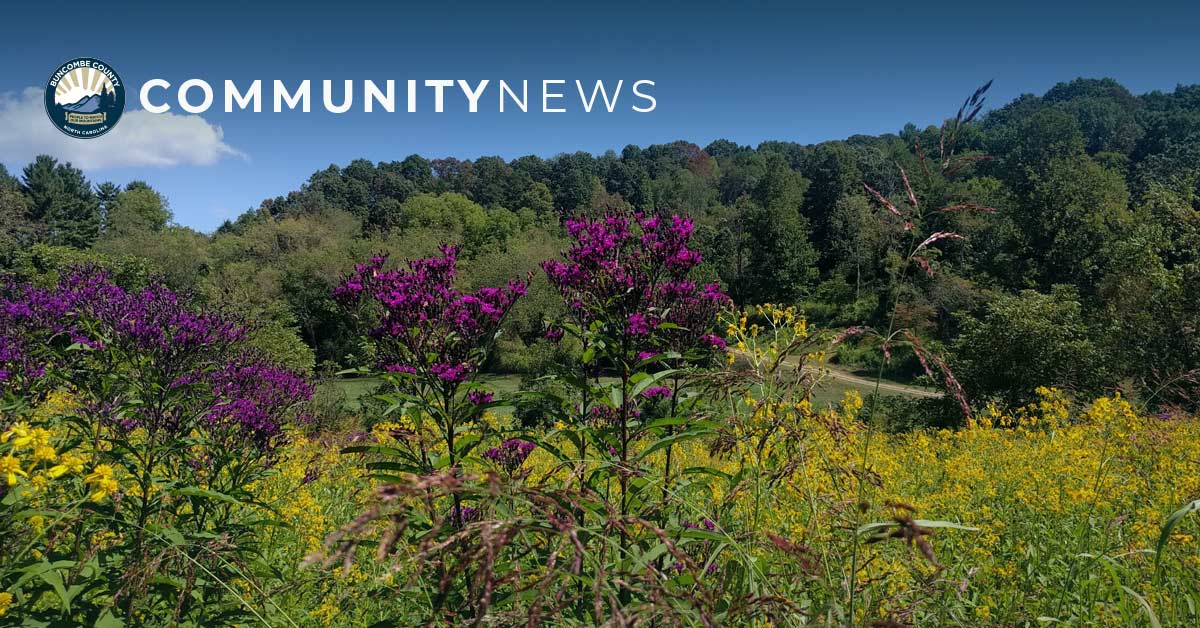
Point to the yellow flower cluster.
(1018, 477)
(29, 458)
(101, 483)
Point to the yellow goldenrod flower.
(39, 437)
(19, 435)
(6, 599)
(72, 463)
(101, 482)
(44, 453)
(10, 468)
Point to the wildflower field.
(670, 464)
(156, 472)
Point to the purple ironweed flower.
(511, 454)
(630, 272)
(250, 399)
(452, 373)
(422, 322)
(192, 355)
(639, 325)
(554, 334)
(400, 368)
(479, 397)
(657, 392)
(603, 416)
(461, 515)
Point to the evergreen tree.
(61, 198)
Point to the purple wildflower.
(479, 397)
(511, 454)
(422, 323)
(657, 392)
(630, 272)
(461, 515)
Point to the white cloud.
(140, 138)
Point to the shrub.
(1026, 341)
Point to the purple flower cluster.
(657, 392)
(693, 309)
(250, 399)
(162, 345)
(602, 416)
(511, 454)
(479, 397)
(87, 309)
(35, 321)
(462, 515)
(425, 325)
(630, 271)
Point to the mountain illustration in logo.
(88, 104)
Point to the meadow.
(686, 469)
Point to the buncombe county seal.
(85, 98)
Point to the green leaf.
(172, 535)
(464, 444)
(1150, 616)
(708, 471)
(647, 382)
(667, 441)
(195, 491)
(703, 535)
(1169, 525)
(53, 577)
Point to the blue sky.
(748, 71)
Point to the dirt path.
(869, 384)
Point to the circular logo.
(85, 98)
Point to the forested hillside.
(1085, 276)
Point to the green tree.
(538, 198)
(177, 254)
(1074, 210)
(61, 198)
(1025, 341)
(139, 208)
(17, 231)
(780, 262)
(833, 173)
(857, 241)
